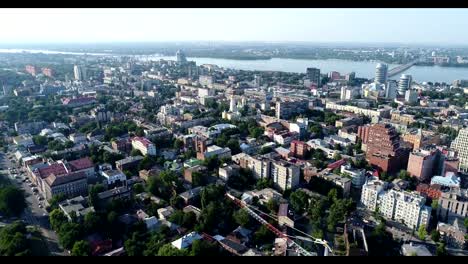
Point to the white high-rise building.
(181, 57)
(79, 72)
(411, 96)
(405, 207)
(370, 193)
(233, 105)
(285, 175)
(461, 145)
(404, 84)
(381, 73)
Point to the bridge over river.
(402, 68)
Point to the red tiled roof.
(81, 164)
(54, 180)
(56, 169)
(336, 164)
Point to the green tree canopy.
(81, 248)
(12, 202)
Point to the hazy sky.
(316, 25)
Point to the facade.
(78, 205)
(214, 150)
(180, 56)
(286, 109)
(31, 69)
(460, 144)
(405, 207)
(285, 175)
(383, 149)
(48, 72)
(411, 96)
(122, 145)
(358, 176)
(343, 182)
(381, 73)
(404, 84)
(422, 163)
(145, 146)
(453, 203)
(128, 163)
(371, 191)
(299, 149)
(313, 74)
(79, 72)
(381, 112)
(113, 176)
(70, 184)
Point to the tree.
(189, 220)
(135, 245)
(272, 205)
(204, 248)
(264, 183)
(146, 163)
(233, 145)
(466, 223)
(299, 201)
(435, 235)
(441, 250)
(40, 140)
(241, 217)
(404, 175)
(91, 222)
(435, 204)
(337, 156)
(169, 250)
(138, 188)
(12, 202)
(13, 241)
(56, 199)
(69, 233)
(93, 194)
(178, 144)
(198, 179)
(263, 236)
(212, 193)
(81, 248)
(57, 218)
(135, 152)
(422, 233)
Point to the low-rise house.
(165, 213)
(415, 250)
(343, 182)
(193, 209)
(285, 216)
(108, 196)
(78, 206)
(77, 138)
(191, 194)
(188, 172)
(114, 176)
(186, 241)
(453, 232)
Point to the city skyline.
(407, 26)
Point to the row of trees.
(17, 240)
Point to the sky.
(418, 26)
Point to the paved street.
(33, 214)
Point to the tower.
(180, 56)
(233, 105)
(381, 73)
(404, 84)
(461, 145)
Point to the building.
(284, 216)
(299, 149)
(144, 145)
(123, 145)
(79, 72)
(285, 175)
(422, 163)
(77, 137)
(114, 176)
(313, 74)
(101, 114)
(186, 241)
(77, 205)
(31, 69)
(82, 165)
(213, 151)
(371, 191)
(260, 166)
(348, 121)
(415, 250)
(460, 144)
(227, 171)
(358, 176)
(343, 182)
(188, 172)
(286, 109)
(206, 80)
(453, 232)
(383, 149)
(449, 180)
(118, 193)
(404, 84)
(391, 90)
(128, 163)
(180, 57)
(70, 184)
(79, 101)
(348, 93)
(405, 207)
(411, 96)
(381, 112)
(48, 72)
(381, 73)
(453, 203)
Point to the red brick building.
(299, 149)
(123, 145)
(363, 133)
(384, 151)
(31, 69)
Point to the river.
(363, 69)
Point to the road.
(33, 214)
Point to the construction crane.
(291, 243)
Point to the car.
(41, 198)
(40, 206)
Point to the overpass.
(402, 68)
